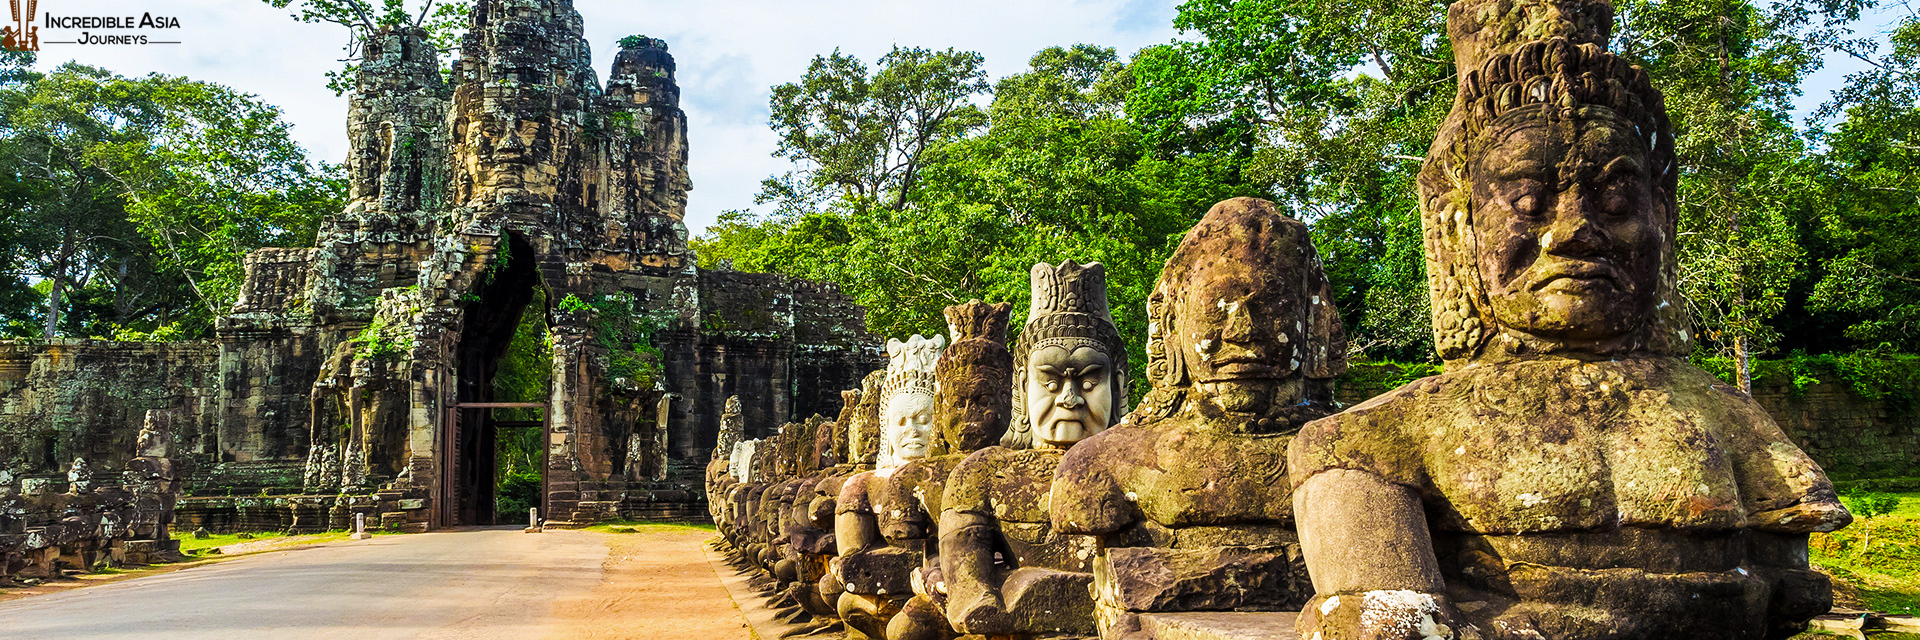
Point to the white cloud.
(728, 52)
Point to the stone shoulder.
(1088, 497)
(1371, 436)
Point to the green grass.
(1882, 577)
(190, 543)
(624, 526)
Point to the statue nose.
(1069, 397)
(1239, 326)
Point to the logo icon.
(22, 36)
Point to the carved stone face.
(1069, 394)
(978, 406)
(1235, 327)
(1239, 335)
(1569, 235)
(907, 425)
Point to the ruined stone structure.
(89, 519)
(358, 372)
(1570, 474)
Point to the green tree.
(862, 138)
(139, 197)
(1337, 103)
(1730, 70)
(1059, 173)
(1868, 267)
(443, 20)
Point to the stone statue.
(1188, 494)
(874, 573)
(720, 478)
(153, 477)
(1009, 574)
(1570, 474)
(975, 399)
(861, 416)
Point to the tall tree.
(1869, 267)
(862, 139)
(1730, 70)
(141, 196)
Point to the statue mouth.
(1245, 366)
(1577, 276)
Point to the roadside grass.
(189, 544)
(1875, 562)
(629, 526)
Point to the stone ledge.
(1218, 625)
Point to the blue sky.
(729, 53)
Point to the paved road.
(475, 583)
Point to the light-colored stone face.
(1069, 394)
(907, 426)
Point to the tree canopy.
(1790, 230)
(131, 201)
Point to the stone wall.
(1850, 436)
(67, 399)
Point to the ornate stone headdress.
(979, 349)
(1548, 57)
(910, 368)
(1068, 309)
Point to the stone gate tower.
(358, 361)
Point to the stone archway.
(468, 460)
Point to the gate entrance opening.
(495, 432)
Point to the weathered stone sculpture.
(719, 468)
(1188, 494)
(1570, 475)
(862, 420)
(153, 478)
(876, 574)
(975, 400)
(1072, 384)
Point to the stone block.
(1218, 625)
(1207, 579)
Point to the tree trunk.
(57, 285)
(1741, 372)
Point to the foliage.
(624, 332)
(1874, 376)
(1338, 102)
(1868, 265)
(133, 201)
(525, 374)
(635, 42)
(573, 304)
(861, 137)
(518, 491)
(1059, 173)
(443, 20)
(384, 340)
(1377, 377)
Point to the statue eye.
(1525, 197)
(1088, 384)
(1053, 385)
